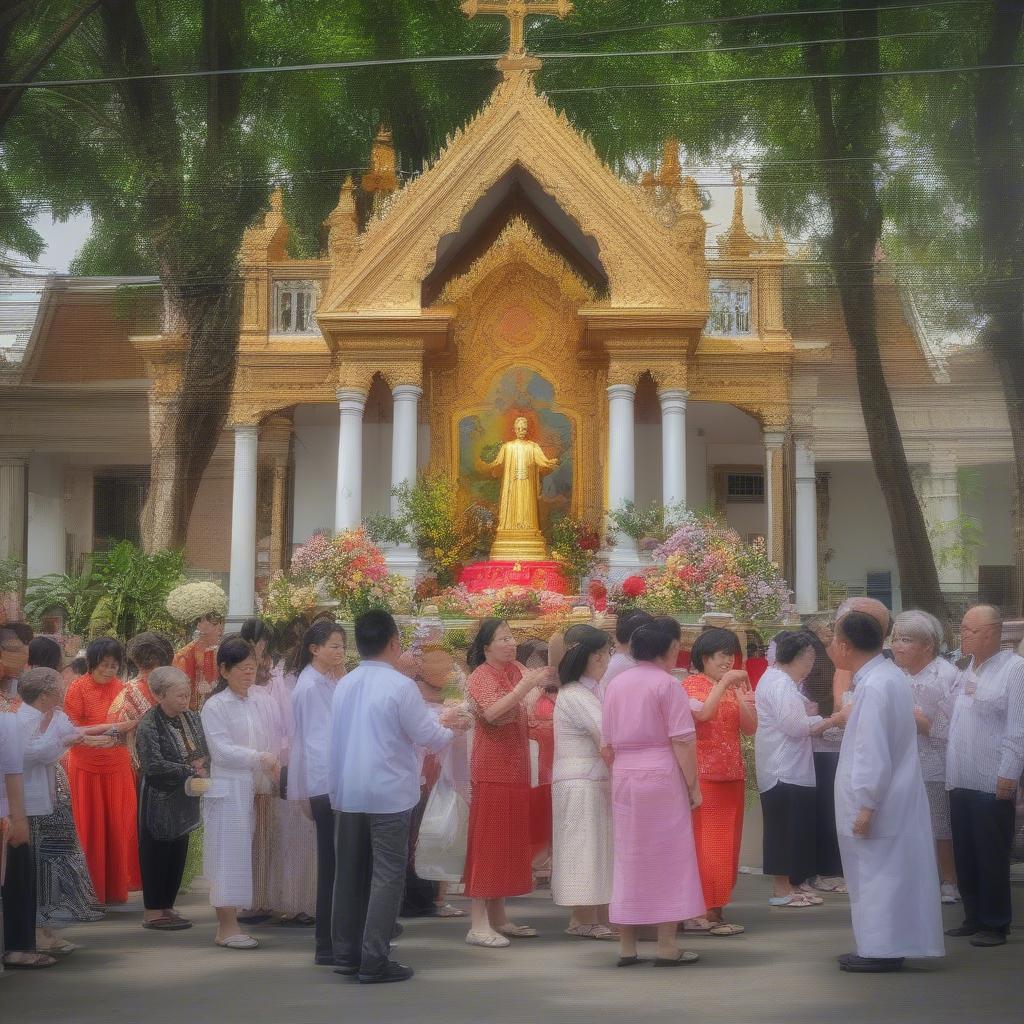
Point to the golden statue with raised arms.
(521, 463)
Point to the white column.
(806, 529)
(621, 463)
(348, 500)
(241, 586)
(673, 445)
(773, 441)
(403, 558)
(13, 508)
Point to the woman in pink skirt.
(648, 726)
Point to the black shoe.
(349, 970)
(251, 919)
(989, 937)
(392, 972)
(962, 931)
(869, 964)
(628, 961)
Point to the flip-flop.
(60, 948)
(167, 924)
(684, 959)
(40, 962)
(697, 925)
(795, 901)
(239, 941)
(725, 928)
(518, 931)
(592, 931)
(487, 940)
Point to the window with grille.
(294, 305)
(748, 487)
(730, 307)
(117, 500)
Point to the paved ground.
(782, 970)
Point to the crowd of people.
(341, 800)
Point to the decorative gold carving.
(624, 371)
(518, 128)
(737, 242)
(381, 179)
(402, 372)
(356, 375)
(516, 12)
(343, 227)
(265, 242)
(516, 307)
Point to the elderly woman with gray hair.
(172, 754)
(916, 644)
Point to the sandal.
(33, 961)
(796, 900)
(628, 961)
(697, 924)
(724, 928)
(489, 940)
(167, 923)
(447, 910)
(59, 947)
(591, 931)
(238, 941)
(684, 959)
(518, 931)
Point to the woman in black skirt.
(785, 770)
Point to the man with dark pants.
(984, 761)
(378, 721)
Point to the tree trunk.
(998, 128)
(188, 423)
(849, 126)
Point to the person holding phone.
(498, 860)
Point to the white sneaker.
(950, 893)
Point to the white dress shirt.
(42, 751)
(378, 720)
(986, 729)
(237, 732)
(12, 754)
(782, 743)
(933, 692)
(308, 771)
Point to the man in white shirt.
(984, 761)
(626, 625)
(882, 816)
(379, 721)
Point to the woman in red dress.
(498, 862)
(722, 702)
(101, 779)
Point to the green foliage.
(575, 543)
(135, 586)
(654, 522)
(10, 575)
(455, 640)
(76, 596)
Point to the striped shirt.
(986, 730)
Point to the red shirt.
(719, 758)
(501, 752)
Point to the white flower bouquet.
(192, 601)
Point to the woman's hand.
(736, 679)
(100, 742)
(534, 679)
(270, 763)
(696, 798)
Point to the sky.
(62, 240)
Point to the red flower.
(634, 586)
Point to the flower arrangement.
(350, 569)
(504, 603)
(575, 543)
(706, 565)
(191, 601)
(286, 600)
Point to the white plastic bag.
(444, 833)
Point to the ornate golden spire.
(737, 242)
(381, 176)
(517, 11)
(266, 240)
(670, 175)
(343, 226)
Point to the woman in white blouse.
(916, 641)
(581, 875)
(242, 763)
(785, 770)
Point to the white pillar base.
(404, 560)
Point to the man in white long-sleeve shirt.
(379, 721)
(882, 816)
(984, 761)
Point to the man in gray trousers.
(379, 726)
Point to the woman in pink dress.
(648, 727)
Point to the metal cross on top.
(517, 11)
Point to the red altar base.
(482, 576)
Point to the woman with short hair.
(242, 763)
(722, 702)
(101, 778)
(171, 752)
(581, 872)
(648, 729)
(916, 645)
(785, 770)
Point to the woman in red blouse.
(498, 851)
(101, 779)
(723, 707)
